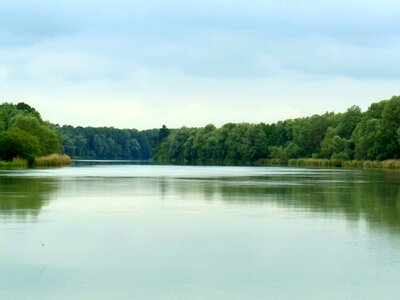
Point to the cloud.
(224, 39)
(23, 23)
(72, 66)
(185, 61)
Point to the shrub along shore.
(52, 160)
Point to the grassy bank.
(52, 160)
(16, 163)
(335, 163)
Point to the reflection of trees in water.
(24, 197)
(373, 196)
(370, 196)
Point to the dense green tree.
(49, 139)
(364, 137)
(28, 110)
(277, 152)
(18, 143)
(389, 125)
(25, 134)
(375, 137)
(163, 133)
(292, 150)
(398, 135)
(309, 132)
(348, 121)
(332, 146)
(108, 142)
(253, 144)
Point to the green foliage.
(373, 135)
(309, 132)
(49, 139)
(370, 136)
(110, 143)
(18, 143)
(232, 143)
(376, 136)
(348, 121)
(277, 153)
(333, 144)
(292, 150)
(28, 110)
(16, 163)
(163, 133)
(398, 135)
(24, 134)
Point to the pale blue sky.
(143, 64)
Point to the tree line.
(108, 142)
(370, 135)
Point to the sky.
(142, 64)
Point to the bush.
(18, 143)
(53, 160)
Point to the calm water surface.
(125, 231)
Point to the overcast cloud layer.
(143, 64)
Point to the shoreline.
(51, 160)
(390, 164)
(59, 160)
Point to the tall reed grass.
(52, 160)
(271, 162)
(335, 163)
(391, 164)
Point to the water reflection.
(24, 197)
(151, 232)
(352, 194)
(373, 196)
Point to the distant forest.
(109, 143)
(370, 135)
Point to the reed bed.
(53, 160)
(333, 163)
(391, 164)
(271, 162)
(313, 162)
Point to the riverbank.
(332, 163)
(16, 163)
(58, 160)
(51, 160)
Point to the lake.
(104, 230)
